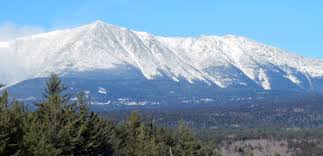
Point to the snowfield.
(223, 61)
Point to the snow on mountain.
(223, 61)
(249, 60)
(102, 90)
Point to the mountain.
(117, 62)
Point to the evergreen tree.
(95, 132)
(45, 133)
(187, 144)
(139, 138)
(127, 135)
(11, 126)
(4, 101)
(53, 127)
(60, 127)
(54, 86)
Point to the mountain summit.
(108, 52)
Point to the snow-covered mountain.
(108, 52)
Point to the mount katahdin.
(110, 62)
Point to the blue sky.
(294, 25)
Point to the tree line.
(60, 126)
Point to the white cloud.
(10, 71)
(9, 31)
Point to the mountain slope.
(112, 52)
(267, 66)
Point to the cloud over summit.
(9, 31)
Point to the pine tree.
(44, 135)
(134, 120)
(52, 125)
(95, 132)
(165, 141)
(11, 126)
(130, 132)
(54, 86)
(186, 143)
(139, 138)
(4, 101)
(61, 127)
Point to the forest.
(61, 127)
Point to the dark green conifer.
(54, 86)
(11, 126)
(186, 143)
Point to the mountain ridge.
(224, 61)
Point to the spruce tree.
(61, 127)
(4, 100)
(95, 132)
(52, 125)
(54, 86)
(11, 126)
(186, 143)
